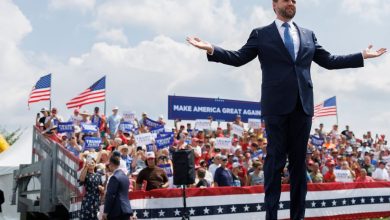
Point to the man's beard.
(287, 14)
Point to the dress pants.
(287, 137)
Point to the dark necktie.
(288, 41)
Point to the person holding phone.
(93, 186)
(40, 120)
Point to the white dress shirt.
(293, 32)
(380, 174)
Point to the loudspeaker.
(183, 167)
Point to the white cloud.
(16, 71)
(371, 10)
(114, 36)
(168, 17)
(78, 5)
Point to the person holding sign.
(349, 174)
(99, 121)
(85, 117)
(125, 151)
(286, 52)
(52, 121)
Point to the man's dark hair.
(115, 160)
(201, 173)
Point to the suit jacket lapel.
(275, 35)
(301, 40)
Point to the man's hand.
(104, 217)
(367, 53)
(197, 42)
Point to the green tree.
(11, 136)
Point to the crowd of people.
(332, 156)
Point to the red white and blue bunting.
(323, 201)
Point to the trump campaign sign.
(192, 108)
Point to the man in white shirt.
(216, 163)
(76, 117)
(113, 122)
(380, 173)
(52, 121)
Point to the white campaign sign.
(343, 176)
(237, 130)
(223, 143)
(202, 124)
(254, 123)
(144, 139)
(128, 116)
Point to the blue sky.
(140, 46)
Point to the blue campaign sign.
(166, 134)
(149, 147)
(89, 128)
(92, 143)
(64, 127)
(150, 123)
(167, 168)
(158, 129)
(126, 126)
(192, 108)
(163, 142)
(317, 141)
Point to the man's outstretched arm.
(329, 61)
(235, 58)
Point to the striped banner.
(323, 201)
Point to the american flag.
(95, 93)
(42, 90)
(326, 108)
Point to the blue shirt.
(113, 123)
(129, 161)
(223, 177)
(95, 119)
(73, 150)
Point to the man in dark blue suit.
(117, 204)
(285, 52)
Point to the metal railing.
(55, 168)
